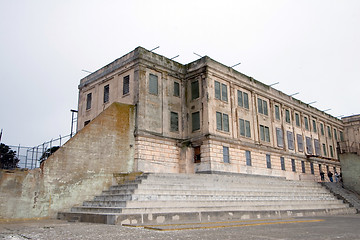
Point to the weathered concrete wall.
(350, 167)
(80, 169)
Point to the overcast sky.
(309, 46)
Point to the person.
(322, 175)
(336, 177)
(330, 176)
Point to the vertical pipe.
(72, 123)
(32, 156)
(60, 141)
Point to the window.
(306, 123)
(126, 85)
(331, 152)
(248, 158)
(287, 116)
(221, 91)
(317, 147)
(217, 90)
(279, 137)
(314, 125)
(262, 106)
(195, 90)
(282, 161)
(322, 129)
(264, 133)
(106, 93)
(324, 149)
(243, 99)
(88, 101)
(176, 89)
(290, 138)
(174, 122)
(297, 119)
(312, 168)
(341, 136)
(226, 156)
(293, 166)
(153, 84)
(309, 148)
(268, 161)
(329, 131)
(320, 168)
(244, 128)
(86, 122)
(335, 135)
(327, 168)
(195, 121)
(300, 142)
(197, 154)
(222, 121)
(277, 112)
(302, 166)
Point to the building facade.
(207, 117)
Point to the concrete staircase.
(163, 198)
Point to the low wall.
(80, 169)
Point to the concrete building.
(207, 117)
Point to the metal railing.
(31, 157)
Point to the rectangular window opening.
(195, 121)
(106, 93)
(268, 161)
(226, 156)
(126, 85)
(153, 84)
(248, 158)
(174, 122)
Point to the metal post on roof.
(197, 54)
(235, 65)
(273, 84)
(174, 57)
(154, 49)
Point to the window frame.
(248, 158)
(287, 116)
(195, 89)
(268, 161)
(153, 84)
(126, 85)
(226, 154)
(176, 89)
(293, 165)
(282, 163)
(88, 101)
(172, 123)
(106, 95)
(277, 112)
(194, 125)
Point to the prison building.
(205, 117)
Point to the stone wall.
(80, 169)
(350, 166)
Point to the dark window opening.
(226, 155)
(88, 101)
(195, 121)
(176, 89)
(195, 90)
(248, 158)
(268, 161)
(197, 155)
(153, 84)
(106, 93)
(174, 122)
(126, 85)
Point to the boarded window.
(287, 116)
(297, 119)
(277, 112)
(268, 161)
(194, 90)
(176, 89)
(324, 149)
(174, 122)
(300, 142)
(309, 148)
(153, 84)
(306, 122)
(248, 158)
(302, 166)
(126, 85)
(217, 90)
(322, 129)
(312, 168)
(224, 95)
(195, 121)
(106, 93)
(290, 138)
(293, 166)
(88, 101)
(282, 161)
(279, 137)
(226, 156)
(317, 147)
(219, 121)
(314, 125)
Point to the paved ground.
(331, 227)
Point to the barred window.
(106, 93)
(195, 90)
(268, 161)
(126, 85)
(290, 138)
(314, 125)
(195, 117)
(279, 137)
(302, 166)
(88, 101)
(226, 155)
(293, 166)
(322, 129)
(153, 84)
(306, 122)
(282, 161)
(174, 122)
(248, 158)
(176, 89)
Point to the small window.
(88, 101)
(277, 112)
(217, 90)
(300, 142)
(287, 116)
(329, 131)
(279, 137)
(195, 121)
(306, 123)
(335, 135)
(297, 119)
(314, 126)
(153, 84)
(243, 99)
(327, 168)
(106, 93)
(176, 89)
(264, 133)
(312, 168)
(222, 122)
(268, 161)
(247, 129)
(262, 106)
(244, 128)
(317, 147)
(174, 122)
(248, 158)
(197, 154)
(324, 149)
(86, 122)
(290, 138)
(221, 91)
(126, 85)
(302, 166)
(341, 136)
(282, 161)
(226, 156)
(224, 92)
(219, 121)
(309, 148)
(331, 151)
(246, 100)
(322, 129)
(195, 90)
(293, 166)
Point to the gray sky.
(309, 46)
